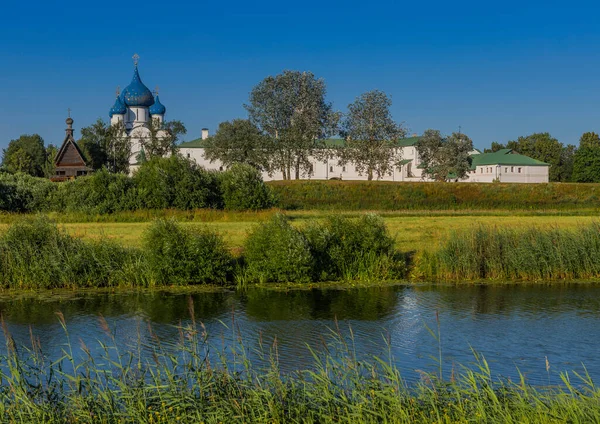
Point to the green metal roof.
(197, 143)
(409, 141)
(405, 161)
(504, 157)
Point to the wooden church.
(69, 162)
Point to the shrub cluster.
(510, 254)
(160, 183)
(338, 248)
(35, 253)
(176, 255)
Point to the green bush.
(176, 182)
(354, 249)
(277, 252)
(177, 255)
(244, 189)
(23, 193)
(35, 253)
(99, 193)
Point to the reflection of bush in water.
(364, 303)
(159, 307)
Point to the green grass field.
(413, 232)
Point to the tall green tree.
(106, 145)
(589, 140)
(291, 109)
(49, 166)
(162, 139)
(239, 141)
(25, 154)
(586, 163)
(371, 135)
(442, 157)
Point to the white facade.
(408, 170)
(509, 174)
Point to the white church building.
(137, 109)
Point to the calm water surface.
(513, 326)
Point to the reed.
(195, 382)
(489, 252)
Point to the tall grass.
(196, 382)
(489, 252)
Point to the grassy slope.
(381, 195)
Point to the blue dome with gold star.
(118, 108)
(136, 93)
(157, 108)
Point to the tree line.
(289, 119)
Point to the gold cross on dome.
(118, 90)
(69, 112)
(156, 90)
(136, 59)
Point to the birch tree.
(291, 109)
(371, 135)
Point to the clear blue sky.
(498, 69)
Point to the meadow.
(413, 231)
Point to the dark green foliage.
(508, 254)
(26, 154)
(100, 193)
(106, 145)
(239, 141)
(277, 252)
(444, 157)
(177, 255)
(176, 182)
(382, 195)
(244, 189)
(34, 253)
(23, 193)
(586, 166)
(353, 249)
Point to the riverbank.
(190, 380)
(464, 248)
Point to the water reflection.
(513, 325)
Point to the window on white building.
(505, 169)
(220, 168)
(343, 169)
(188, 155)
(519, 170)
(512, 169)
(331, 169)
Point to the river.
(514, 326)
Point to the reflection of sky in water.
(512, 326)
